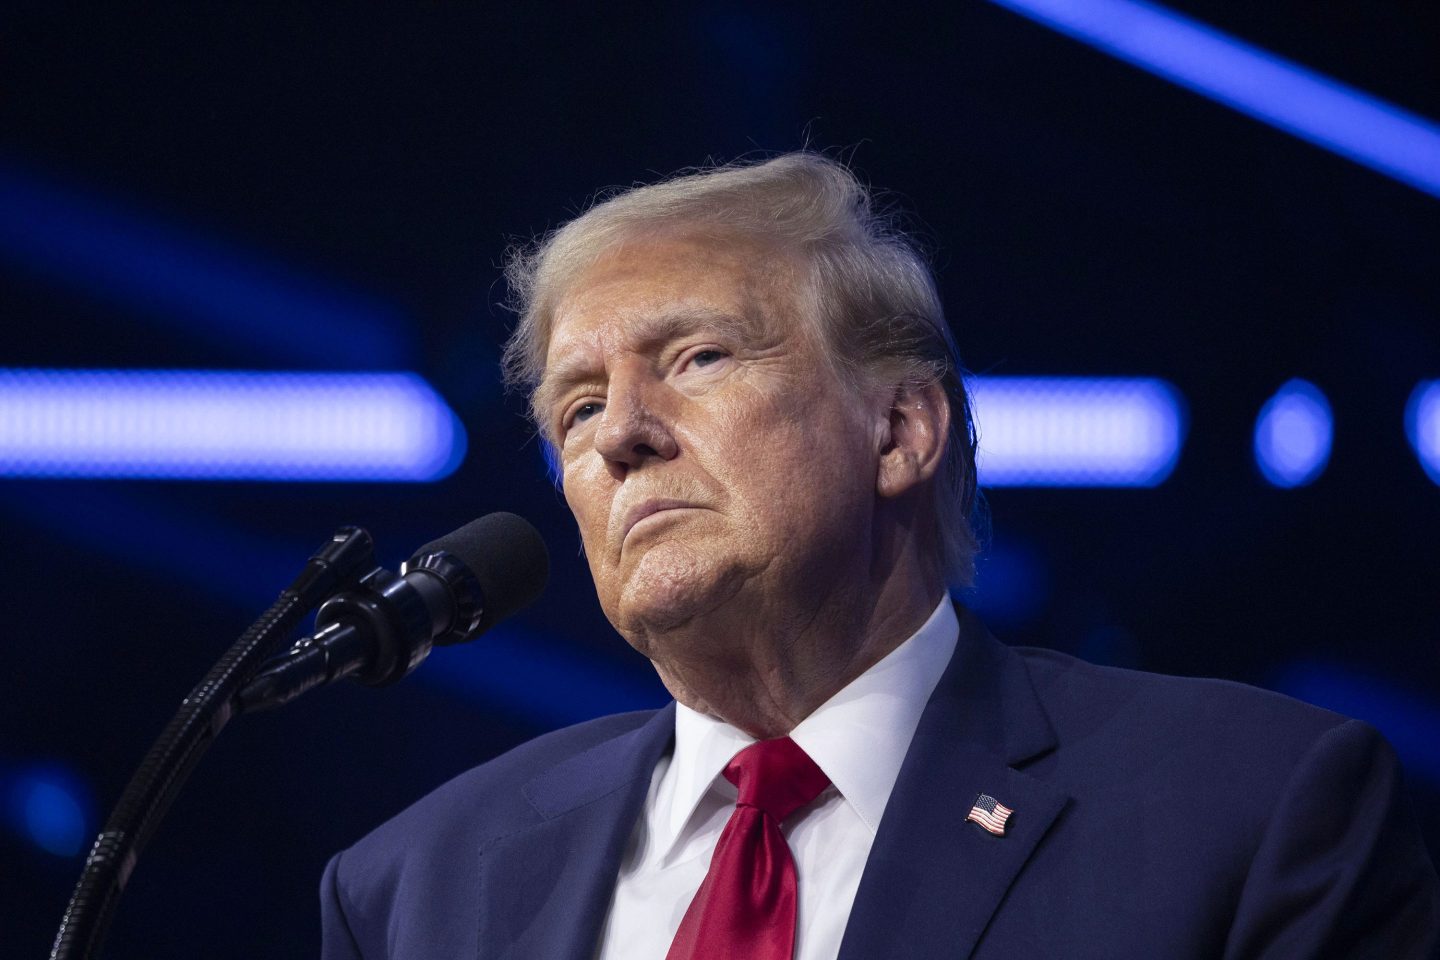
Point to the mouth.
(648, 508)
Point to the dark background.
(1086, 218)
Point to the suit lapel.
(545, 888)
(933, 880)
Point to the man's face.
(709, 454)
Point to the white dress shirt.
(858, 737)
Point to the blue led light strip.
(1035, 431)
(1077, 431)
(1253, 81)
(209, 425)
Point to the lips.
(647, 508)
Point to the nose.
(634, 425)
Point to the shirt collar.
(859, 736)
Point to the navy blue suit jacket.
(1155, 817)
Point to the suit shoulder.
(1192, 714)
(484, 799)
(1198, 768)
(389, 883)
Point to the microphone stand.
(343, 561)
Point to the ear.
(919, 430)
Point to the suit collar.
(604, 768)
(545, 888)
(987, 692)
(933, 880)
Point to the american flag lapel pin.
(990, 813)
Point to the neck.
(764, 667)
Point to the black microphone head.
(508, 559)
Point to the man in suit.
(757, 411)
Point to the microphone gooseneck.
(376, 626)
(450, 591)
(202, 715)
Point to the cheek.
(796, 467)
(589, 504)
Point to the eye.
(581, 414)
(706, 358)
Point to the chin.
(670, 586)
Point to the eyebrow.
(644, 332)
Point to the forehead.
(648, 291)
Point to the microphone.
(450, 591)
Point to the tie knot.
(776, 776)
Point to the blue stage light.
(1077, 431)
(194, 283)
(1422, 424)
(1293, 435)
(1253, 81)
(48, 805)
(210, 425)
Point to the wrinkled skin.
(787, 541)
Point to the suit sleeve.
(1341, 870)
(337, 941)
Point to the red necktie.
(746, 906)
